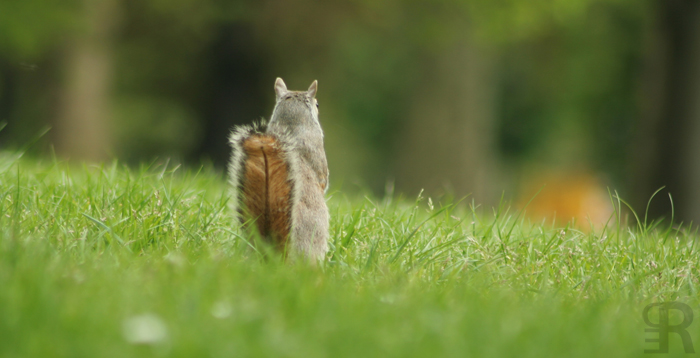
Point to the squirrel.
(279, 174)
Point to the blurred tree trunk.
(668, 151)
(448, 138)
(81, 129)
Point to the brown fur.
(267, 188)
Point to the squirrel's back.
(266, 186)
(279, 172)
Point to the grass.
(107, 261)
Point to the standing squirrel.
(279, 173)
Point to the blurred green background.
(456, 97)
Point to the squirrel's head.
(295, 107)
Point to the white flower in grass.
(144, 329)
(221, 310)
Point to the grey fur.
(295, 123)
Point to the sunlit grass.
(104, 260)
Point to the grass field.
(107, 261)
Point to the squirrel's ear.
(312, 89)
(280, 87)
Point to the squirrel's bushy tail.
(265, 188)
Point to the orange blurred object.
(579, 198)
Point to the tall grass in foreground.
(111, 261)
